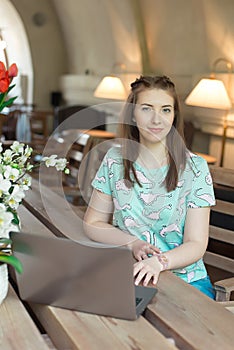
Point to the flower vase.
(3, 282)
(4, 269)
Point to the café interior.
(65, 52)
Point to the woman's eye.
(146, 109)
(166, 110)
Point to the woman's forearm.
(184, 255)
(107, 233)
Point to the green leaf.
(2, 96)
(9, 102)
(12, 260)
(11, 87)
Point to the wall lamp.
(211, 93)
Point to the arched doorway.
(17, 51)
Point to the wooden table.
(178, 311)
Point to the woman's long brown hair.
(129, 131)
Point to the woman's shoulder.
(114, 152)
(196, 163)
(195, 158)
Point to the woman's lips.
(155, 130)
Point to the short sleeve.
(107, 172)
(201, 193)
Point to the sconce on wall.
(211, 93)
(111, 86)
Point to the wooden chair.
(39, 123)
(78, 149)
(219, 255)
(84, 159)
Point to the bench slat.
(222, 262)
(224, 207)
(222, 177)
(18, 331)
(221, 234)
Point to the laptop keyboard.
(138, 300)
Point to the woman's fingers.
(146, 271)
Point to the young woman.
(151, 194)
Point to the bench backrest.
(219, 255)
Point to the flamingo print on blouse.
(149, 198)
(191, 204)
(120, 186)
(120, 207)
(204, 196)
(182, 200)
(144, 180)
(147, 235)
(109, 162)
(155, 215)
(169, 228)
(190, 276)
(129, 221)
(208, 179)
(150, 238)
(100, 179)
(180, 184)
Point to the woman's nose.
(155, 118)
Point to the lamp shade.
(209, 93)
(111, 87)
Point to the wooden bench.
(219, 255)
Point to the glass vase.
(3, 282)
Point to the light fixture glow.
(111, 87)
(209, 93)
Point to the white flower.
(50, 161)
(7, 156)
(4, 185)
(28, 151)
(5, 221)
(15, 197)
(11, 173)
(61, 164)
(1, 149)
(25, 182)
(17, 147)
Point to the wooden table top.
(178, 310)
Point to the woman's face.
(154, 115)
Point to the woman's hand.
(147, 269)
(141, 249)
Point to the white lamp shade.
(209, 93)
(111, 87)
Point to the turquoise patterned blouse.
(150, 212)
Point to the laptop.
(92, 278)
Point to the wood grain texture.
(17, 330)
(190, 317)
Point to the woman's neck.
(152, 157)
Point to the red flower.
(13, 71)
(6, 77)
